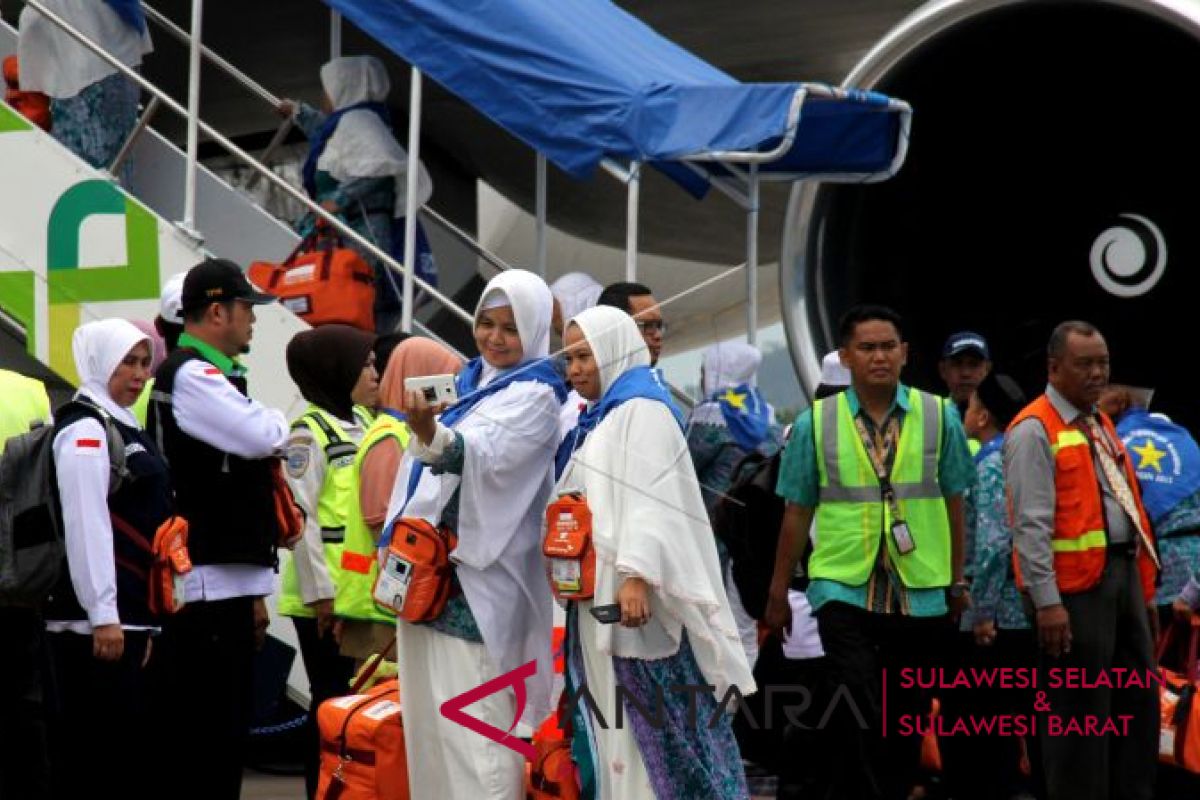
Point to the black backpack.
(747, 520)
(32, 550)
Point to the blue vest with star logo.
(1165, 458)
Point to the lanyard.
(878, 447)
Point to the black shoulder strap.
(338, 446)
(81, 406)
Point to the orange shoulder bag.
(171, 563)
(568, 547)
(415, 578)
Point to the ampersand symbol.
(1041, 703)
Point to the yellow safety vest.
(25, 403)
(851, 515)
(333, 505)
(360, 565)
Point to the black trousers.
(329, 674)
(867, 762)
(1109, 630)
(203, 682)
(24, 757)
(101, 719)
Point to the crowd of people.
(882, 539)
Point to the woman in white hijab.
(656, 560)
(574, 293)
(484, 469)
(98, 615)
(357, 169)
(94, 106)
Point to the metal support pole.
(151, 108)
(541, 215)
(193, 120)
(335, 34)
(752, 258)
(264, 157)
(631, 220)
(410, 208)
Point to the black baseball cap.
(1002, 396)
(966, 342)
(216, 280)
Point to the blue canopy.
(582, 80)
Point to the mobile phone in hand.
(606, 615)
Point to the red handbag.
(322, 282)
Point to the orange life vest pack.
(171, 563)
(34, 106)
(322, 282)
(415, 579)
(568, 547)
(362, 746)
(288, 516)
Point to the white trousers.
(747, 626)
(445, 760)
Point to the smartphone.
(606, 615)
(436, 389)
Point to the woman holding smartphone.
(484, 471)
(656, 561)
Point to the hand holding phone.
(436, 389)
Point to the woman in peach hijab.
(363, 628)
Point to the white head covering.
(576, 292)
(833, 372)
(170, 302)
(532, 306)
(54, 63)
(363, 146)
(730, 363)
(99, 348)
(616, 342)
(649, 520)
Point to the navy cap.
(966, 342)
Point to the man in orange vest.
(1084, 554)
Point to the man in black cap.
(220, 445)
(964, 363)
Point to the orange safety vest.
(1080, 541)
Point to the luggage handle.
(367, 672)
(1191, 668)
(322, 239)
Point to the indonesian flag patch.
(88, 447)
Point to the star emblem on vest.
(735, 399)
(1150, 457)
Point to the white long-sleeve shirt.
(209, 408)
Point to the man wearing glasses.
(637, 301)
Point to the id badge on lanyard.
(902, 538)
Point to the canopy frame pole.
(634, 185)
(410, 198)
(752, 258)
(541, 180)
(335, 34)
(193, 121)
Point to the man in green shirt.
(877, 472)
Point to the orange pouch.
(568, 548)
(1179, 707)
(322, 282)
(288, 516)
(171, 563)
(415, 578)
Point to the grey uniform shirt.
(1029, 477)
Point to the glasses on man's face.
(652, 326)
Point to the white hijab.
(510, 439)
(99, 348)
(363, 146)
(649, 520)
(54, 63)
(576, 292)
(729, 364)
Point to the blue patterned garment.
(1180, 555)
(96, 122)
(684, 758)
(993, 590)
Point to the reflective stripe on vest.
(359, 564)
(851, 515)
(1080, 540)
(333, 505)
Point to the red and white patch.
(211, 371)
(88, 447)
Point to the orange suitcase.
(362, 746)
(322, 282)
